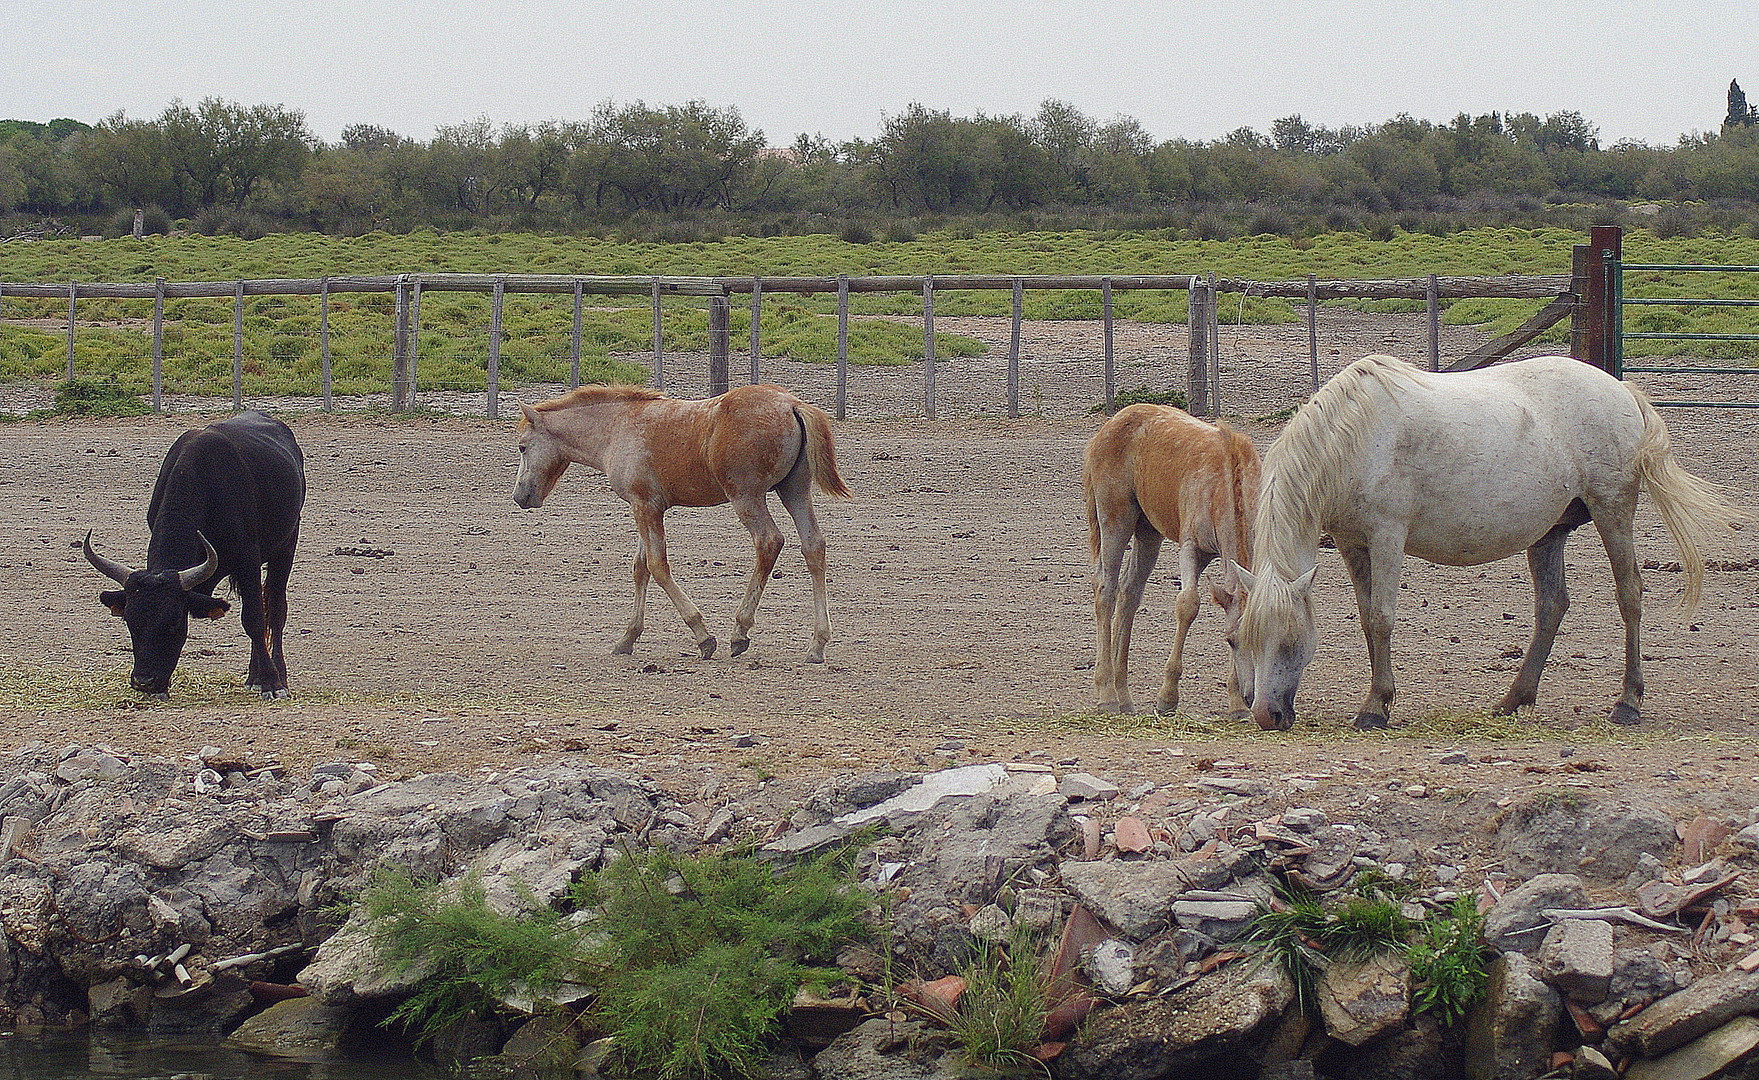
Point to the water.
(93, 1056)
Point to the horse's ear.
(1247, 577)
(1304, 584)
(530, 413)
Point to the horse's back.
(1173, 466)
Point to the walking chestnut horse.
(1153, 472)
(658, 452)
(1461, 469)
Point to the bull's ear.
(113, 599)
(202, 606)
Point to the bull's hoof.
(738, 646)
(708, 646)
(1625, 714)
(274, 695)
(1367, 721)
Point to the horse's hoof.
(708, 645)
(1370, 722)
(623, 648)
(1166, 708)
(1625, 714)
(738, 646)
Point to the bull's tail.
(1694, 510)
(821, 450)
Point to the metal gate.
(1616, 269)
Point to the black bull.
(226, 504)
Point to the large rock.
(294, 1028)
(1707, 1055)
(1515, 923)
(1364, 1000)
(1598, 839)
(1577, 958)
(1679, 1018)
(1136, 897)
(1203, 1030)
(882, 1049)
(1509, 1034)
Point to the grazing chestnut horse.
(1153, 472)
(1461, 468)
(658, 452)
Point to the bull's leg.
(766, 539)
(650, 522)
(1111, 665)
(1191, 566)
(1374, 571)
(796, 495)
(1551, 599)
(261, 675)
(275, 621)
(1615, 534)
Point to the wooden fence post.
(72, 304)
(238, 345)
(719, 344)
(1111, 365)
(1014, 350)
(1197, 334)
(493, 402)
(756, 321)
(1591, 322)
(659, 354)
(1433, 300)
(574, 339)
(324, 338)
(1313, 328)
(158, 343)
(842, 346)
(400, 345)
(1215, 347)
(928, 388)
(414, 340)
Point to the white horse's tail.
(1694, 510)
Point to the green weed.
(1449, 961)
(97, 397)
(1007, 999)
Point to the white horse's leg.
(1551, 599)
(637, 617)
(1111, 665)
(1615, 534)
(650, 522)
(1374, 571)
(796, 495)
(1185, 612)
(766, 538)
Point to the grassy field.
(282, 342)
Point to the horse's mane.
(599, 394)
(1309, 468)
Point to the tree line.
(225, 167)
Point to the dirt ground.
(436, 626)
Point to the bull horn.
(110, 568)
(195, 575)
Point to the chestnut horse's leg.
(638, 617)
(795, 491)
(651, 524)
(1111, 666)
(1551, 599)
(1191, 565)
(766, 537)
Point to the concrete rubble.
(202, 897)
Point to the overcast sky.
(1643, 70)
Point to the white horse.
(1461, 469)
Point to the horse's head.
(1273, 641)
(542, 460)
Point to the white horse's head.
(1274, 643)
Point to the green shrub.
(1449, 961)
(1142, 395)
(1007, 999)
(84, 396)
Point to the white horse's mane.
(1311, 466)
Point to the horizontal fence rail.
(1202, 379)
(1618, 268)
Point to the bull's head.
(157, 606)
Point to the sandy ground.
(437, 626)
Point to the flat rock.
(1136, 897)
(1515, 924)
(1705, 1056)
(1577, 958)
(1363, 1000)
(294, 1027)
(1084, 786)
(1681, 1017)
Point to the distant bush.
(81, 396)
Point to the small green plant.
(1007, 998)
(1142, 395)
(1449, 961)
(1304, 935)
(84, 396)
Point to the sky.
(1641, 71)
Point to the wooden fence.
(1204, 292)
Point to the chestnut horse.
(1153, 472)
(658, 452)
(1461, 468)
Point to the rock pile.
(194, 896)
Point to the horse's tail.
(821, 450)
(1694, 510)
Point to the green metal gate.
(1616, 269)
